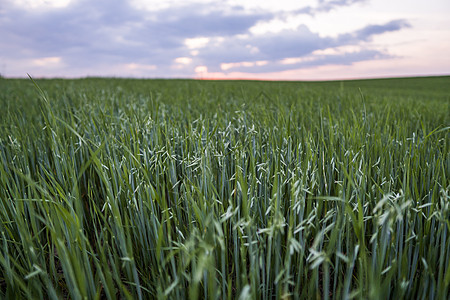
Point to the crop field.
(185, 189)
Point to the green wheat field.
(186, 189)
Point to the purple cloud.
(369, 31)
(92, 34)
(295, 44)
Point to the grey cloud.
(326, 6)
(91, 34)
(319, 60)
(58, 31)
(369, 31)
(293, 43)
(272, 46)
(213, 23)
(93, 31)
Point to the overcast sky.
(269, 39)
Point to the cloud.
(369, 31)
(113, 30)
(309, 61)
(271, 46)
(115, 35)
(194, 22)
(326, 6)
(299, 43)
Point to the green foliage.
(178, 189)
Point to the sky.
(227, 39)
